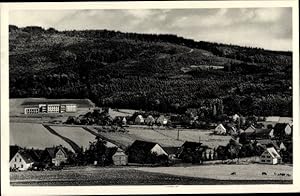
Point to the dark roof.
(171, 150)
(188, 144)
(262, 132)
(26, 156)
(280, 127)
(53, 150)
(268, 143)
(145, 145)
(13, 150)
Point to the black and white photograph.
(170, 95)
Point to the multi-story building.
(53, 108)
(31, 110)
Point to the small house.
(161, 120)
(120, 158)
(54, 155)
(250, 130)
(22, 161)
(124, 121)
(270, 156)
(235, 117)
(220, 130)
(149, 120)
(139, 120)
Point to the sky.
(269, 28)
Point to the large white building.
(50, 108)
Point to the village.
(225, 139)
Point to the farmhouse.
(22, 160)
(54, 155)
(120, 158)
(149, 120)
(142, 151)
(139, 120)
(270, 156)
(220, 130)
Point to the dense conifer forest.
(165, 73)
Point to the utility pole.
(177, 134)
(199, 138)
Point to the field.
(32, 135)
(76, 134)
(121, 112)
(153, 136)
(195, 135)
(89, 176)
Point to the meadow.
(77, 134)
(31, 135)
(89, 176)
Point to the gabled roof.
(26, 156)
(145, 145)
(150, 119)
(53, 150)
(119, 152)
(273, 152)
(250, 129)
(262, 132)
(222, 126)
(171, 150)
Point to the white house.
(235, 117)
(124, 121)
(220, 130)
(120, 158)
(162, 120)
(139, 119)
(150, 120)
(270, 156)
(21, 161)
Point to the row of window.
(268, 161)
(15, 166)
(19, 161)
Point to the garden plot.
(32, 135)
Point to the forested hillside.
(150, 72)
